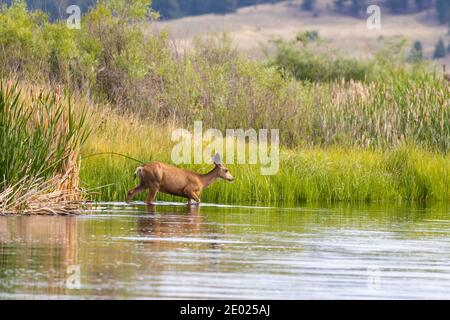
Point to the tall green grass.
(306, 174)
(40, 139)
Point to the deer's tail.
(138, 173)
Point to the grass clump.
(40, 139)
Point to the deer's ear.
(216, 159)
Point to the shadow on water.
(177, 251)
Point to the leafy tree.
(308, 5)
(56, 9)
(439, 51)
(307, 37)
(443, 10)
(339, 5)
(397, 6)
(178, 8)
(353, 7)
(423, 4)
(416, 53)
(223, 6)
(357, 7)
(169, 8)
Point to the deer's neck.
(208, 178)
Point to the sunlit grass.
(306, 174)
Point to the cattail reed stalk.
(41, 140)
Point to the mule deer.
(157, 176)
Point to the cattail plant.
(40, 138)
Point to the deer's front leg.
(134, 192)
(192, 195)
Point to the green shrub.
(310, 64)
(21, 39)
(308, 5)
(439, 50)
(416, 53)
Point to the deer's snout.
(229, 177)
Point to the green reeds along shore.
(352, 174)
(40, 139)
(372, 130)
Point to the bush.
(416, 53)
(439, 50)
(22, 40)
(308, 5)
(306, 63)
(443, 11)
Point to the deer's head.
(223, 172)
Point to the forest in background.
(171, 9)
(168, 9)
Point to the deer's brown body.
(160, 177)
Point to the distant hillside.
(253, 27)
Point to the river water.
(171, 251)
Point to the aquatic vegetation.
(40, 139)
(31, 196)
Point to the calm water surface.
(170, 251)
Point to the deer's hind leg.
(152, 191)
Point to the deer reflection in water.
(35, 252)
(175, 229)
(170, 225)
